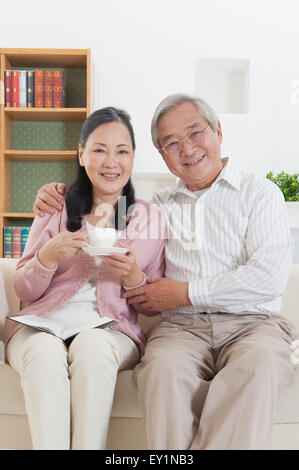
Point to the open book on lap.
(64, 326)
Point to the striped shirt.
(230, 242)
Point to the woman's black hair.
(79, 198)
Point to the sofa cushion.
(126, 399)
(125, 402)
(12, 398)
(11, 393)
(288, 408)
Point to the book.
(30, 89)
(58, 89)
(15, 88)
(24, 237)
(48, 88)
(8, 86)
(38, 88)
(16, 242)
(34, 88)
(64, 326)
(7, 242)
(22, 88)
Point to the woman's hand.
(64, 245)
(125, 267)
(49, 197)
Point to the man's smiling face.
(197, 165)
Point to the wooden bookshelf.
(22, 146)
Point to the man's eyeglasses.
(193, 139)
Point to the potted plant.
(289, 185)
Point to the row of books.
(14, 241)
(34, 88)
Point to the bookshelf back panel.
(74, 85)
(34, 135)
(28, 177)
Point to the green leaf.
(288, 184)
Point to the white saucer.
(101, 251)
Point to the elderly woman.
(69, 385)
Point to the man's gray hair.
(174, 100)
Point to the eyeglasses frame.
(184, 140)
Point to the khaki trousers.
(69, 392)
(212, 381)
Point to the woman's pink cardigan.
(48, 289)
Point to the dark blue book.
(30, 89)
(24, 238)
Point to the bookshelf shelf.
(38, 145)
(46, 114)
(46, 57)
(18, 215)
(38, 156)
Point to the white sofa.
(126, 424)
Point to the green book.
(7, 242)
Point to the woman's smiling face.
(108, 158)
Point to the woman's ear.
(80, 155)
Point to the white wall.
(144, 50)
(287, 88)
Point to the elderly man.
(217, 361)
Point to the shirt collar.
(229, 173)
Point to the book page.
(67, 321)
(38, 322)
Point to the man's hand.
(49, 197)
(160, 294)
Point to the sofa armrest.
(9, 301)
(291, 297)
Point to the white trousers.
(69, 392)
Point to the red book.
(48, 87)
(8, 86)
(38, 88)
(15, 88)
(16, 242)
(58, 92)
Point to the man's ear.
(219, 132)
(161, 152)
(80, 155)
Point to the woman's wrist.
(133, 279)
(46, 259)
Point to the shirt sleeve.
(264, 276)
(32, 278)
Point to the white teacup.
(102, 237)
